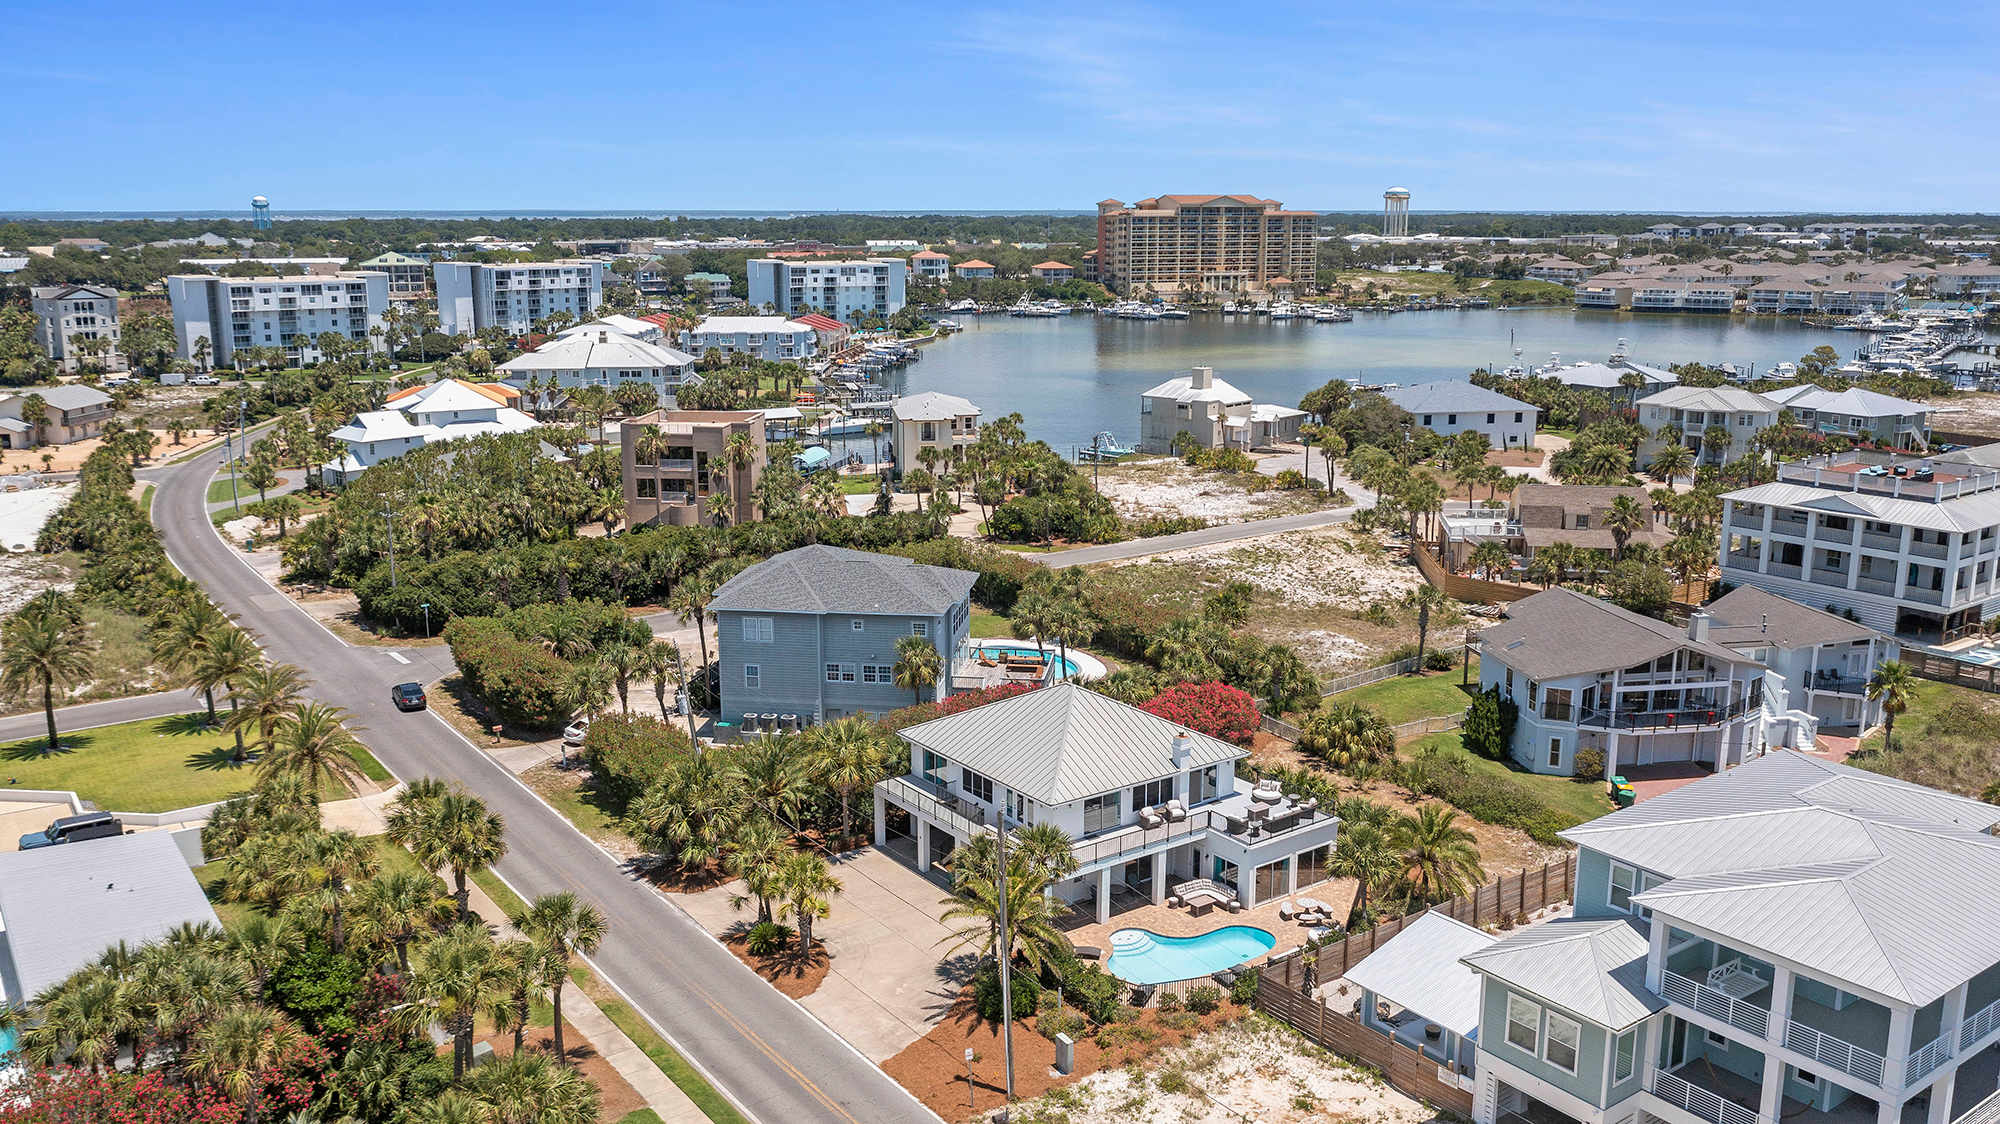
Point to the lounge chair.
(1150, 818)
(1176, 811)
(1087, 952)
(1142, 995)
(1224, 977)
(1287, 911)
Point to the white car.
(575, 732)
(203, 380)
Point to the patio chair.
(1287, 911)
(1087, 952)
(1150, 818)
(1176, 811)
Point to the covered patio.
(1415, 989)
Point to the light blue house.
(810, 635)
(1789, 942)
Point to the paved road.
(110, 712)
(775, 1061)
(1207, 536)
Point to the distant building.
(1611, 378)
(1396, 213)
(1858, 414)
(710, 285)
(234, 313)
(1214, 413)
(449, 410)
(1449, 408)
(409, 277)
(1053, 271)
(929, 265)
(844, 290)
(598, 355)
(1208, 243)
(66, 313)
(71, 412)
(763, 337)
(1974, 279)
(1562, 271)
(1694, 409)
(687, 483)
(647, 329)
(260, 213)
(934, 421)
(974, 269)
(512, 296)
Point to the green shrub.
(986, 993)
(1204, 1000)
(318, 987)
(1172, 1081)
(1158, 525)
(524, 682)
(1495, 800)
(1065, 1021)
(1437, 660)
(1089, 989)
(1489, 725)
(1169, 1003)
(626, 753)
(1244, 991)
(1289, 480)
(767, 938)
(1589, 764)
(1124, 1034)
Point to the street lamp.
(427, 620)
(389, 518)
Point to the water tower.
(1396, 213)
(260, 212)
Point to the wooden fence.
(1282, 991)
(1458, 587)
(1948, 669)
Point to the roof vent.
(603, 336)
(1764, 623)
(1698, 628)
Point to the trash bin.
(1624, 796)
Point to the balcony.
(1834, 683)
(1691, 716)
(1881, 587)
(1845, 1056)
(1781, 570)
(1703, 1103)
(1716, 1003)
(1928, 549)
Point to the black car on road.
(408, 696)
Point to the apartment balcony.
(1928, 550)
(1924, 596)
(1746, 520)
(1782, 570)
(1717, 1003)
(1875, 540)
(1732, 988)
(1832, 683)
(1702, 1101)
(1690, 716)
(1826, 536)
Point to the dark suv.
(408, 696)
(74, 829)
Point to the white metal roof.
(1959, 513)
(751, 324)
(1065, 742)
(933, 406)
(1182, 389)
(1728, 399)
(598, 349)
(1593, 969)
(1420, 968)
(1452, 395)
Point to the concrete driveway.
(892, 974)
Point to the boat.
(966, 305)
(1103, 447)
(1284, 312)
(1172, 313)
(1333, 315)
(950, 326)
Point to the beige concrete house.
(687, 481)
(71, 412)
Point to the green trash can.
(1624, 796)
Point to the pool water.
(1142, 957)
(6, 1047)
(1064, 668)
(1985, 656)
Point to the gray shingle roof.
(1421, 968)
(1451, 395)
(1749, 616)
(1593, 969)
(64, 905)
(1560, 632)
(1066, 742)
(831, 579)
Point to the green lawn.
(154, 765)
(640, 1116)
(986, 624)
(1406, 698)
(859, 485)
(1949, 738)
(1583, 800)
(218, 491)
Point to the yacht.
(1331, 315)
(1284, 312)
(1172, 313)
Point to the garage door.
(1662, 748)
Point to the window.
(857, 624)
(1715, 1039)
(1624, 1056)
(756, 630)
(1555, 753)
(1100, 813)
(1804, 1077)
(1524, 1024)
(920, 628)
(1624, 883)
(1565, 1036)
(1202, 783)
(1451, 419)
(976, 786)
(1489, 419)
(1152, 794)
(1517, 415)
(934, 766)
(881, 673)
(840, 673)
(753, 676)
(1427, 420)
(1019, 807)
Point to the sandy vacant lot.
(1323, 566)
(1251, 1070)
(1166, 487)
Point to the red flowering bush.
(1215, 709)
(77, 1096)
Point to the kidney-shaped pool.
(1142, 957)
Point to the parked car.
(575, 732)
(204, 380)
(74, 829)
(408, 696)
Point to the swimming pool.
(1079, 664)
(1142, 957)
(6, 1047)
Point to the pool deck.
(1180, 922)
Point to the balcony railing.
(1716, 1004)
(1701, 1102)
(1856, 1061)
(1922, 1063)
(1985, 1112)
(926, 803)
(1679, 718)
(1138, 838)
(1978, 1026)
(1840, 684)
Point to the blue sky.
(1693, 106)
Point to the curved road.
(775, 1061)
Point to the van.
(72, 829)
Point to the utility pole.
(427, 620)
(687, 706)
(389, 518)
(1006, 955)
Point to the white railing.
(1980, 1025)
(1716, 1004)
(1985, 1112)
(1701, 1102)
(1842, 1055)
(1925, 1062)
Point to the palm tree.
(397, 907)
(561, 925)
(240, 1051)
(453, 830)
(517, 1089)
(918, 664)
(261, 942)
(1671, 461)
(1440, 859)
(1623, 518)
(43, 646)
(80, 1019)
(850, 755)
(1346, 733)
(1034, 934)
(1034, 612)
(689, 598)
(808, 888)
(263, 695)
(1424, 599)
(623, 662)
(314, 743)
(754, 856)
(660, 662)
(1891, 685)
(231, 658)
(332, 860)
(691, 812)
(1490, 557)
(1363, 853)
(183, 631)
(874, 430)
(455, 977)
(775, 777)
(522, 968)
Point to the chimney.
(603, 336)
(1698, 628)
(1183, 745)
(1204, 377)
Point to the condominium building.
(233, 313)
(688, 480)
(599, 355)
(762, 337)
(512, 296)
(1858, 414)
(1212, 243)
(65, 315)
(1909, 545)
(409, 277)
(70, 412)
(707, 285)
(843, 290)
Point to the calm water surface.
(1070, 377)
